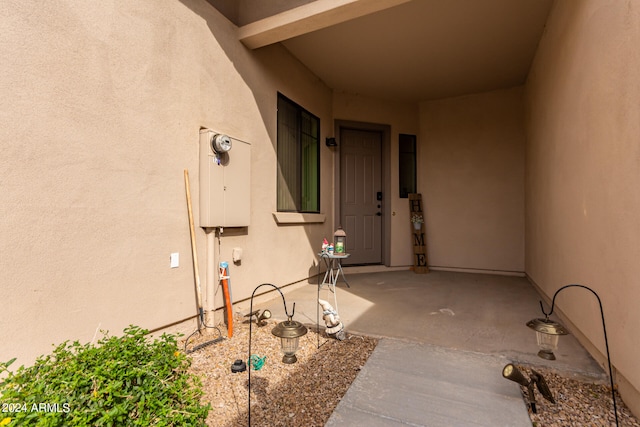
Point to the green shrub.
(121, 381)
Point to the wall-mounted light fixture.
(331, 142)
(547, 331)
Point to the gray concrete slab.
(475, 312)
(413, 384)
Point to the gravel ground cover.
(300, 394)
(307, 392)
(578, 403)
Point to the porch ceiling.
(409, 50)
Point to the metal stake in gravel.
(543, 325)
(291, 330)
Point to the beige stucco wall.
(470, 172)
(100, 112)
(401, 117)
(583, 174)
(472, 178)
(253, 10)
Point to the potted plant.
(417, 221)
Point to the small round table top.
(333, 255)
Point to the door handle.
(378, 213)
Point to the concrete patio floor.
(454, 332)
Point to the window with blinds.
(298, 158)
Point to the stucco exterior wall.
(401, 117)
(472, 177)
(100, 113)
(583, 175)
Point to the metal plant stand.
(333, 265)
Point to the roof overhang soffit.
(307, 18)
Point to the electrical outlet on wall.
(174, 260)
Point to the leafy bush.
(121, 381)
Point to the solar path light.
(288, 331)
(548, 332)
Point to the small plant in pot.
(417, 221)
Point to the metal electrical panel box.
(225, 176)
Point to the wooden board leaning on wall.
(416, 221)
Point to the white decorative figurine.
(332, 320)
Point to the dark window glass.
(407, 165)
(298, 158)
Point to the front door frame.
(385, 164)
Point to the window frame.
(305, 138)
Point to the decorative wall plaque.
(416, 217)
